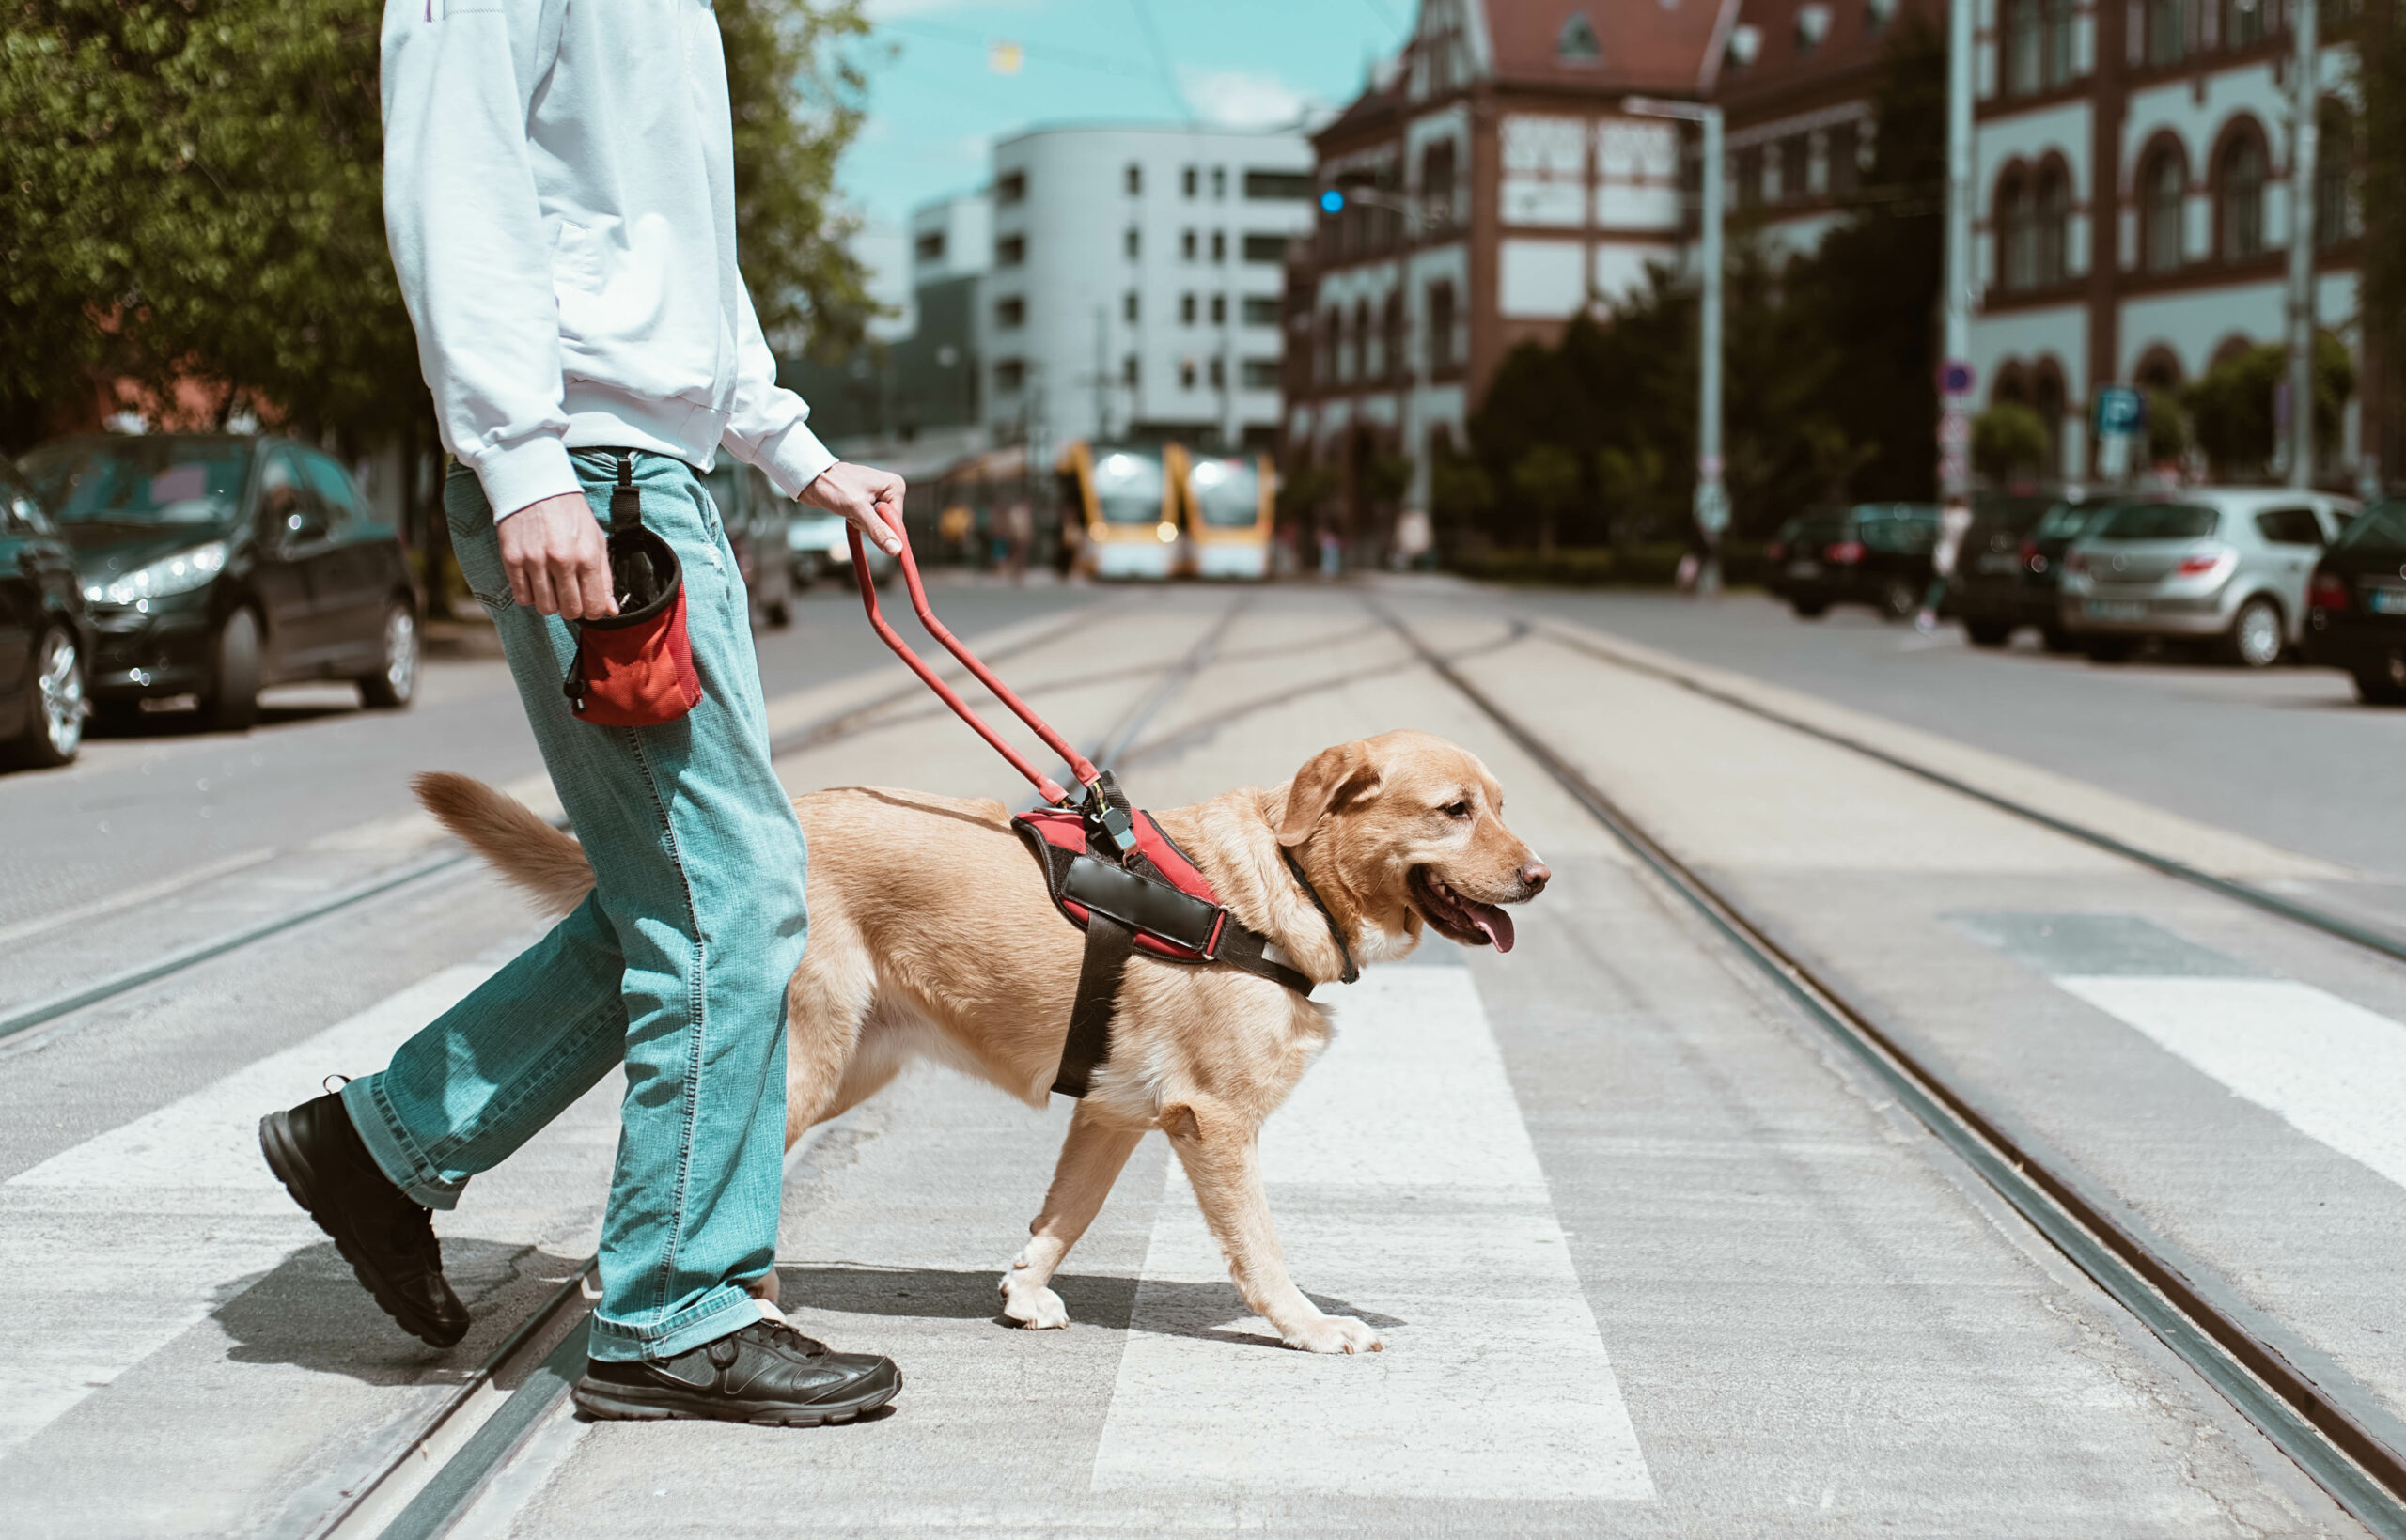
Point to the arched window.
(2049, 263)
(1441, 327)
(2026, 61)
(2167, 26)
(2058, 41)
(1332, 345)
(2017, 235)
(2334, 214)
(2243, 21)
(2241, 199)
(1361, 339)
(1393, 326)
(2164, 188)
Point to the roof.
(1648, 45)
(1801, 44)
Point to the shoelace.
(778, 1330)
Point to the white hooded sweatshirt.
(559, 196)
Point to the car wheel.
(392, 687)
(2108, 650)
(2057, 639)
(55, 719)
(1900, 601)
(231, 704)
(1988, 633)
(2384, 685)
(2254, 638)
(1810, 611)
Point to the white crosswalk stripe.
(1406, 1190)
(126, 1241)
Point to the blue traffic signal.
(1331, 201)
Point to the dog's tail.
(527, 852)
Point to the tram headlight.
(1165, 532)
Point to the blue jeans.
(676, 964)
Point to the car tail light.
(2030, 557)
(1844, 554)
(2197, 567)
(2330, 592)
(1774, 552)
(2075, 563)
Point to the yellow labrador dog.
(932, 935)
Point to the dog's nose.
(1535, 876)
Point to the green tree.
(2381, 79)
(2009, 439)
(1546, 478)
(2231, 406)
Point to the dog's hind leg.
(1091, 1158)
(1220, 1150)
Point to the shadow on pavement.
(1177, 1310)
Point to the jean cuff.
(723, 1312)
(394, 1151)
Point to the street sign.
(1955, 377)
(1712, 507)
(2119, 410)
(1954, 428)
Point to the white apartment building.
(1135, 282)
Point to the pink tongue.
(1493, 921)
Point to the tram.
(1231, 509)
(1127, 497)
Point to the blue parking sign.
(2119, 410)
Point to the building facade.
(1134, 283)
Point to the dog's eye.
(1457, 809)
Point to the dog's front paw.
(1334, 1335)
(1033, 1305)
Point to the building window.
(1132, 243)
(1190, 181)
(1128, 371)
(1186, 246)
(2017, 235)
(1186, 374)
(1795, 159)
(2060, 25)
(1576, 42)
(1128, 307)
(1219, 181)
(2334, 216)
(1845, 149)
(2242, 22)
(2242, 200)
(1359, 365)
(2165, 190)
(1437, 177)
(2022, 75)
(1265, 248)
(2166, 31)
(1010, 312)
(1812, 25)
(1260, 310)
(1392, 346)
(1270, 186)
(928, 247)
(1219, 309)
(1750, 177)
(1259, 374)
(1331, 345)
(1219, 245)
(2050, 262)
(1441, 329)
(1217, 373)
(1136, 179)
(1010, 250)
(1012, 187)
(1186, 309)
(1009, 374)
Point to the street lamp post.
(2304, 151)
(1415, 213)
(1711, 495)
(1954, 373)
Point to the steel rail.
(2323, 1436)
(2388, 944)
(833, 728)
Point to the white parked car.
(815, 542)
(2222, 565)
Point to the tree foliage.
(193, 205)
(2381, 41)
(2231, 406)
(2009, 439)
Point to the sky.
(941, 92)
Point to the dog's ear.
(1328, 782)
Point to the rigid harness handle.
(1050, 789)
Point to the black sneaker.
(768, 1373)
(387, 1237)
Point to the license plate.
(1803, 569)
(2005, 563)
(2105, 609)
(2386, 600)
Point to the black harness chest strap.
(1108, 947)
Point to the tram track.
(2326, 1428)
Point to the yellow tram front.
(1127, 497)
(1231, 509)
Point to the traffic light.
(1331, 201)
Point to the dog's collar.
(1335, 932)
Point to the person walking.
(559, 200)
(1954, 523)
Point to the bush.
(2007, 439)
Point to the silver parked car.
(2226, 566)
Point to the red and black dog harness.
(1115, 875)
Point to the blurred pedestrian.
(1019, 533)
(1954, 520)
(1332, 553)
(559, 198)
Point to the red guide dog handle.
(1050, 789)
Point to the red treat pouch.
(636, 668)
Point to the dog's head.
(1413, 827)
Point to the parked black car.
(215, 564)
(45, 635)
(2042, 567)
(1986, 591)
(755, 519)
(2355, 615)
(1875, 553)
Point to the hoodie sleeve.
(467, 233)
(768, 427)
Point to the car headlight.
(177, 574)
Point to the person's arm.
(769, 426)
(471, 248)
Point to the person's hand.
(857, 492)
(557, 560)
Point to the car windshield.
(1228, 493)
(2157, 521)
(1814, 528)
(1128, 486)
(2380, 527)
(140, 481)
(1904, 527)
(2065, 521)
